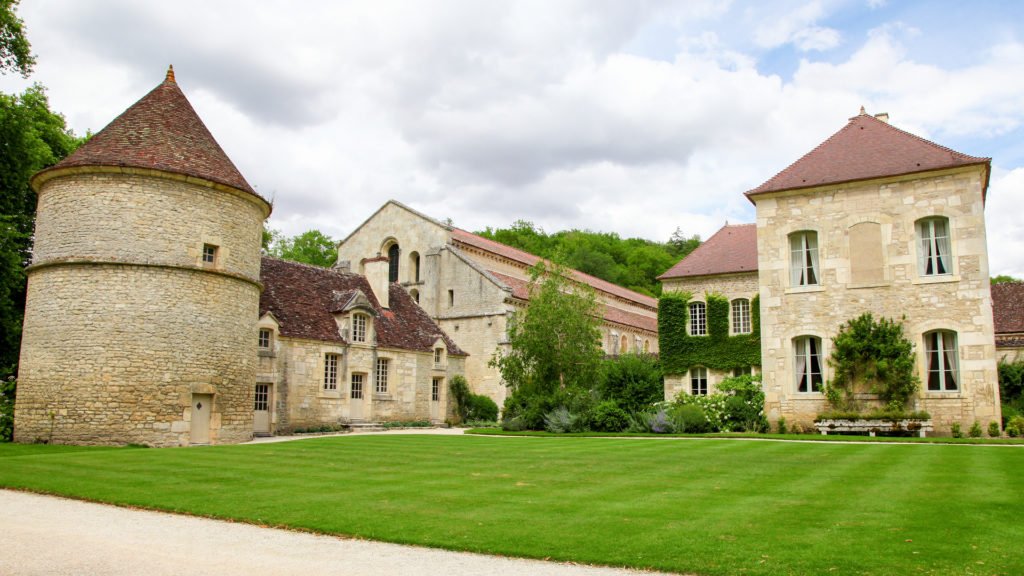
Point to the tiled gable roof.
(866, 148)
(521, 289)
(303, 299)
(731, 250)
(1008, 307)
(514, 254)
(161, 132)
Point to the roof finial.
(861, 108)
(170, 76)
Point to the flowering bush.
(738, 406)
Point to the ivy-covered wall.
(718, 350)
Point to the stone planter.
(873, 426)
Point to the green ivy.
(718, 350)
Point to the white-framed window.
(209, 254)
(743, 371)
(941, 361)
(382, 376)
(356, 386)
(262, 398)
(803, 259)
(934, 252)
(699, 381)
(435, 389)
(438, 357)
(807, 363)
(698, 319)
(266, 338)
(359, 328)
(741, 316)
(330, 371)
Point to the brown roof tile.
(162, 132)
(488, 245)
(730, 250)
(865, 148)
(1008, 307)
(521, 289)
(303, 298)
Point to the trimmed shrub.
(1015, 427)
(482, 408)
(692, 419)
(781, 425)
(975, 431)
(607, 416)
(993, 429)
(633, 381)
(956, 430)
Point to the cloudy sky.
(622, 116)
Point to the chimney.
(376, 271)
(343, 266)
(883, 116)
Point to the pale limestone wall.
(393, 223)
(114, 353)
(146, 219)
(123, 322)
(1009, 354)
(303, 402)
(959, 302)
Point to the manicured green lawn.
(703, 506)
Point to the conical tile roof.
(865, 148)
(161, 132)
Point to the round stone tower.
(143, 294)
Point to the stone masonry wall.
(112, 355)
(123, 320)
(960, 301)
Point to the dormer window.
(266, 338)
(438, 357)
(209, 255)
(358, 328)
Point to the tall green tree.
(15, 51)
(310, 247)
(554, 343)
(33, 137)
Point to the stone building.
(144, 320)
(1008, 313)
(471, 285)
(872, 220)
(336, 347)
(725, 265)
(144, 287)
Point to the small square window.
(265, 338)
(209, 254)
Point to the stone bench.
(872, 426)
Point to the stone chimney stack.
(376, 271)
(883, 116)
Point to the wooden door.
(261, 410)
(355, 397)
(435, 399)
(202, 406)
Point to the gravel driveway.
(56, 536)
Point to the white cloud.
(491, 112)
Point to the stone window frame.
(354, 392)
(208, 255)
(623, 344)
(332, 360)
(740, 319)
(360, 327)
(698, 325)
(435, 388)
(265, 339)
(804, 259)
(947, 356)
(934, 252)
(698, 376)
(381, 373)
(439, 357)
(808, 347)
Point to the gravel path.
(46, 535)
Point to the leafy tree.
(1003, 279)
(310, 247)
(681, 244)
(33, 138)
(15, 51)
(554, 352)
